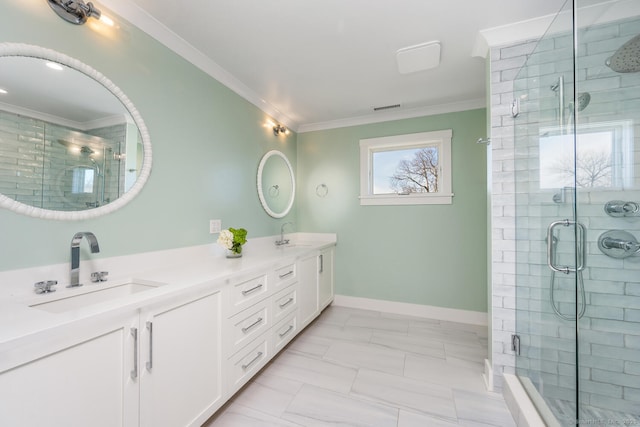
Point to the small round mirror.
(276, 184)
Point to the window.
(413, 169)
(82, 180)
(604, 157)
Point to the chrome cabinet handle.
(255, 288)
(282, 276)
(287, 331)
(286, 303)
(253, 325)
(321, 263)
(150, 361)
(134, 371)
(252, 361)
(580, 247)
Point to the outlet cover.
(215, 226)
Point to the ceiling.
(322, 64)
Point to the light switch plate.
(215, 225)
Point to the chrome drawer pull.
(254, 360)
(150, 361)
(134, 372)
(286, 303)
(254, 324)
(287, 331)
(282, 276)
(255, 288)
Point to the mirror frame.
(263, 201)
(26, 50)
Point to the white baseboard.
(417, 310)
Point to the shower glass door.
(549, 263)
(577, 183)
(607, 121)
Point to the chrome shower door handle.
(580, 247)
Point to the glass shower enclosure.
(577, 169)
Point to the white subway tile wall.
(38, 159)
(609, 331)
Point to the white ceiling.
(321, 64)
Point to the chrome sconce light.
(279, 129)
(75, 11)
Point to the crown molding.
(533, 29)
(154, 28)
(387, 116)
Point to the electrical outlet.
(215, 225)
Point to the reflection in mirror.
(276, 184)
(72, 145)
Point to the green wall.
(207, 144)
(425, 254)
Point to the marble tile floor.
(363, 368)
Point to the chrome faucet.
(282, 240)
(75, 254)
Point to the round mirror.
(276, 184)
(72, 145)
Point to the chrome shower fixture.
(627, 58)
(75, 11)
(621, 208)
(584, 98)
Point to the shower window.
(82, 181)
(406, 169)
(604, 157)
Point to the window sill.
(395, 199)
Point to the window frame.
(441, 139)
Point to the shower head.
(584, 98)
(627, 58)
(86, 150)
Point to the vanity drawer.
(284, 332)
(248, 324)
(285, 275)
(285, 302)
(248, 292)
(242, 366)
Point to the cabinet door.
(307, 290)
(84, 384)
(180, 356)
(325, 278)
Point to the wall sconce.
(76, 11)
(278, 129)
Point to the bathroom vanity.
(161, 346)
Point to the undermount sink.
(92, 296)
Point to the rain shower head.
(627, 58)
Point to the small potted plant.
(232, 240)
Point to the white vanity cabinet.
(316, 285)
(325, 278)
(79, 381)
(180, 361)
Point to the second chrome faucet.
(75, 254)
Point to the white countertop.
(178, 270)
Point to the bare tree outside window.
(592, 169)
(419, 174)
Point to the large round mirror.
(72, 145)
(276, 184)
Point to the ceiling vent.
(386, 107)
(419, 57)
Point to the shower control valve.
(620, 208)
(618, 244)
